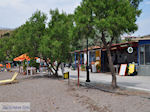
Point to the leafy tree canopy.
(109, 19)
(28, 36)
(56, 43)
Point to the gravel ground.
(53, 95)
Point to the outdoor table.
(31, 70)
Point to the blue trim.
(138, 55)
(142, 42)
(80, 58)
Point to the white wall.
(85, 57)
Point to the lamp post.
(87, 65)
(89, 28)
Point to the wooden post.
(78, 69)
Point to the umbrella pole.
(19, 67)
(27, 67)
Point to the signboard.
(38, 60)
(130, 50)
(98, 57)
(97, 53)
(123, 68)
(131, 68)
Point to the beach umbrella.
(1, 65)
(22, 58)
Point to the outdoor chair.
(9, 81)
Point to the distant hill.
(5, 28)
(5, 32)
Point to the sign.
(131, 68)
(38, 60)
(14, 107)
(98, 57)
(130, 49)
(123, 68)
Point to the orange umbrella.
(36, 57)
(1, 65)
(22, 58)
(17, 59)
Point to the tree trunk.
(49, 69)
(112, 69)
(56, 71)
(111, 66)
(52, 66)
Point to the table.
(31, 70)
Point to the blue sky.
(143, 21)
(14, 13)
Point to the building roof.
(113, 47)
(122, 45)
(133, 42)
(146, 37)
(89, 48)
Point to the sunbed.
(12, 80)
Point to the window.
(147, 54)
(144, 54)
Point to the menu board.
(123, 68)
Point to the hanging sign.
(130, 50)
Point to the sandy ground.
(53, 95)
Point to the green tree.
(55, 45)
(27, 37)
(5, 49)
(109, 19)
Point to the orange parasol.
(22, 58)
(1, 65)
(36, 57)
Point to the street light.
(89, 28)
(87, 66)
